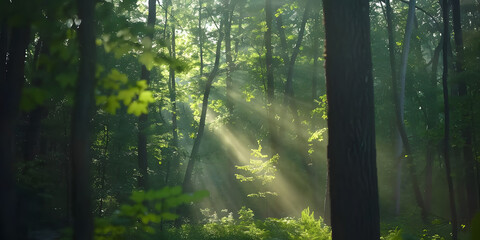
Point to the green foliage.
(246, 227)
(261, 169)
(145, 212)
(322, 107)
(116, 88)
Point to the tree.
(468, 157)
(351, 130)
(446, 139)
(270, 87)
(11, 84)
(399, 99)
(187, 182)
(142, 120)
(80, 144)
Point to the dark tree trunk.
(228, 56)
(80, 146)
(351, 129)
(272, 126)
(187, 182)
(446, 143)
(11, 85)
(200, 36)
(316, 47)
(143, 119)
(468, 158)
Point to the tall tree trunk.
(446, 143)
(393, 69)
(316, 47)
(351, 129)
(272, 129)
(290, 63)
(143, 119)
(399, 99)
(187, 182)
(200, 36)
(80, 147)
(11, 85)
(468, 158)
(431, 124)
(174, 163)
(228, 56)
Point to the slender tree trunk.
(200, 36)
(468, 158)
(10, 91)
(80, 146)
(399, 99)
(174, 163)
(187, 182)
(143, 119)
(290, 63)
(431, 124)
(446, 144)
(316, 47)
(272, 129)
(228, 56)
(351, 128)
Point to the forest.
(240, 119)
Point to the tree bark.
(468, 158)
(143, 119)
(446, 143)
(11, 85)
(316, 46)
(272, 126)
(80, 146)
(351, 129)
(229, 59)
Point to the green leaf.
(142, 84)
(147, 59)
(137, 108)
(146, 96)
(127, 95)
